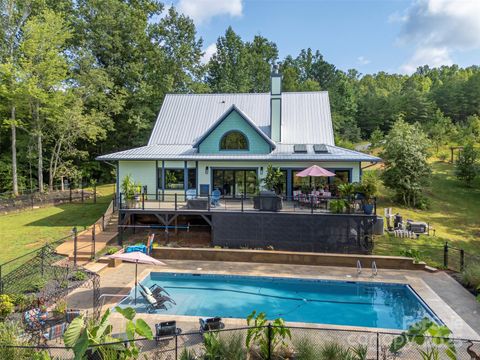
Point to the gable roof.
(224, 116)
(184, 118)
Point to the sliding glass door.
(235, 183)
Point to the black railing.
(341, 344)
(245, 203)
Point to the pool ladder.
(374, 268)
(359, 267)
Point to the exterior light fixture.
(206, 169)
(261, 170)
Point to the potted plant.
(131, 191)
(273, 179)
(347, 192)
(368, 187)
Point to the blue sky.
(389, 35)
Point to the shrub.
(306, 349)
(111, 250)
(188, 355)
(333, 351)
(79, 276)
(6, 306)
(22, 302)
(12, 334)
(60, 307)
(471, 275)
(338, 206)
(412, 253)
(466, 167)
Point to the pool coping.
(460, 329)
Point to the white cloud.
(208, 53)
(203, 10)
(362, 60)
(438, 28)
(428, 55)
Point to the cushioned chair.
(166, 329)
(211, 324)
(215, 199)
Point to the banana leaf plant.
(428, 335)
(88, 336)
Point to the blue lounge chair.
(215, 200)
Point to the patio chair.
(71, 314)
(215, 200)
(191, 194)
(55, 332)
(152, 303)
(166, 329)
(34, 319)
(211, 324)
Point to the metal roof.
(283, 152)
(184, 118)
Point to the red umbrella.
(315, 171)
(137, 257)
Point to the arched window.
(234, 140)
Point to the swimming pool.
(380, 305)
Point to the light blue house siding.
(234, 121)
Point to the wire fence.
(440, 256)
(56, 196)
(302, 343)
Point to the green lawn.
(25, 231)
(454, 213)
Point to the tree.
(440, 129)
(12, 19)
(466, 167)
(228, 69)
(407, 171)
(44, 69)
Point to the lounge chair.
(215, 199)
(156, 293)
(211, 324)
(152, 303)
(34, 319)
(166, 329)
(55, 332)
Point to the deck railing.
(180, 202)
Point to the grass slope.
(25, 231)
(454, 213)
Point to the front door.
(235, 183)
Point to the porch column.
(185, 177)
(163, 180)
(197, 182)
(156, 180)
(289, 184)
(117, 190)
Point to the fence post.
(242, 202)
(269, 334)
(378, 346)
(143, 201)
(462, 259)
(445, 255)
(93, 241)
(176, 346)
(95, 193)
(208, 202)
(70, 192)
(74, 230)
(1, 280)
(42, 260)
(120, 202)
(175, 201)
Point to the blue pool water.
(381, 305)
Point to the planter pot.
(368, 209)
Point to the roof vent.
(320, 149)
(300, 148)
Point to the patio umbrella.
(137, 257)
(315, 171)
